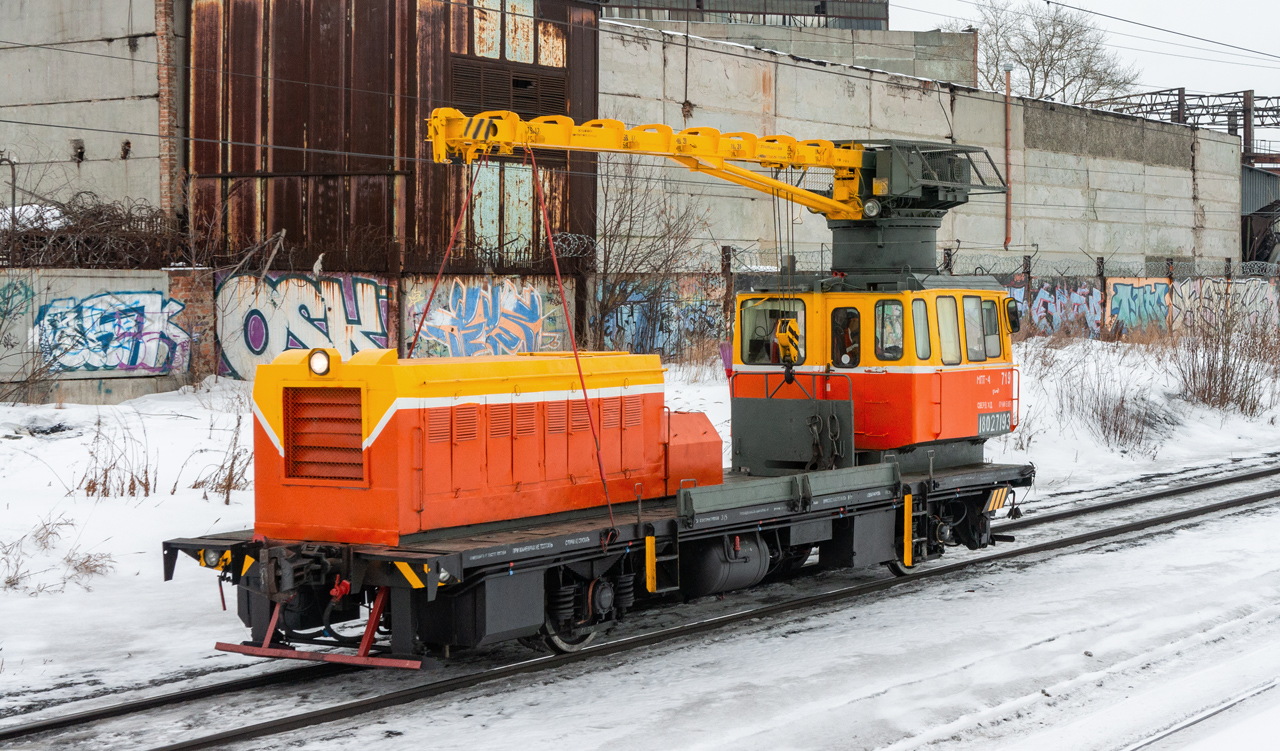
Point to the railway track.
(627, 644)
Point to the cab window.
(889, 330)
(846, 337)
(760, 318)
(974, 343)
(920, 324)
(991, 327)
(949, 330)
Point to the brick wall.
(170, 109)
(194, 288)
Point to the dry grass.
(232, 473)
(81, 567)
(120, 464)
(49, 531)
(1228, 362)
(13, 568)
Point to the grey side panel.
(772, 437)
(499, 608)
(800, 488)
(873, 536)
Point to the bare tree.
(647, 236)
(1057, 54)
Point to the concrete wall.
(1084, 181)
(98, 71)
(258, 317)
(103, 336)
(485, 315)
(936, 55)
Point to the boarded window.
(488, 28)
(949, 330)
(519, 18)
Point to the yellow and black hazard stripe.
(412, 576)
(999, 496)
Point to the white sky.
(1167, 61)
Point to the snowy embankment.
(89, 493)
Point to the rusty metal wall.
(340, 88)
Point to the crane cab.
(920, 377)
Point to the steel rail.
(1032, 519)
(315, 672)
(306, 673)
(405, 696)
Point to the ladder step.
(661, 590)
(672, 557)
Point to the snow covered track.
(364, 706)
(308, 672)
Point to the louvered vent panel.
(610, 412)
(581, 418)
(465, 422)
(551, 95)
(322, 438)
(526, 419)
(499, 420)
(555, 417)
(524, 96)
(438, 424)
(467, 87)
(632, 411)
(496, 89)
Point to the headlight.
(211, 557)
(871, 208)
(319, 362)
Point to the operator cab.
(904, 369)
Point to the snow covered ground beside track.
(838, 679)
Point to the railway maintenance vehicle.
(456, 502)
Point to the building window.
(991, 327)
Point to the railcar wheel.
(567, 644)
(899, 569)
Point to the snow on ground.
(70, 632)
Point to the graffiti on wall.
(486, 316)
(1137, 303)
(666, 316)
(1060, 301)
(258, 318)
(125, 332)
(1206, 300)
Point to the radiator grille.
(466, 422)
(322, 438)
(581, 418)
(438, 424)
(632, 411)
(610, 412)
(555, 417)
(526, 419)
(499, 420)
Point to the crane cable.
(462, 213)
(577, 359)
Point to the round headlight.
(319, 362)
(871, 208)
(211, 557)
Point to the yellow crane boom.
(453, 135)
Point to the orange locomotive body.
(375, 448)
(919, 367)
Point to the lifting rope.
(568, 322)
(462, 213)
